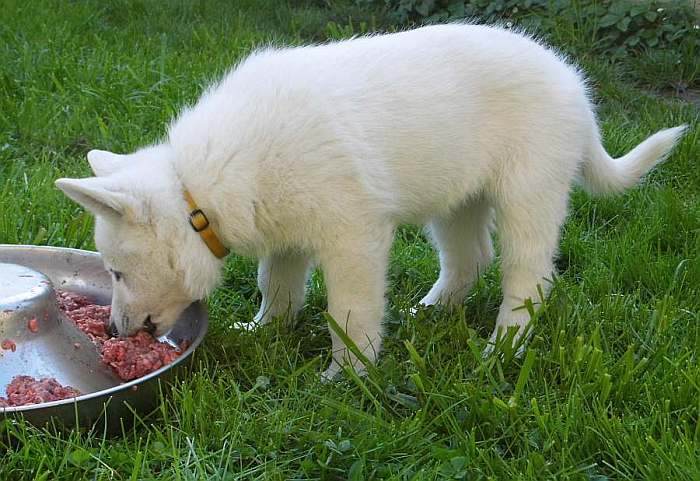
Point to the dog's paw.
(418, 308)
(264, 316)
(489, 349)
(413, 311)
(246, 326)
(443, 303)
(335, 371)
(260, 319)
(332, 373)
(512, 337)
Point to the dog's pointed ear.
(97, 196)
(104, 163)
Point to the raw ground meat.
(33, 325)
(69, 301)
(24, 390)
(131, 357)
(90, 318)
(137, 355)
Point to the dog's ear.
(97, 195)
(104, 163)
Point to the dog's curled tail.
(604, 175)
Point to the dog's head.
(136, 234)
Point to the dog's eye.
(117, 275)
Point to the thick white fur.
(315, 154)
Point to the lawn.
(609, 387)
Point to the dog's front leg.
(354, 267)
(282, 283)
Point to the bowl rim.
(204, 320)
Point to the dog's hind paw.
(335, 371)
(332, 373)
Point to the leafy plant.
(616, 28)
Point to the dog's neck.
(224, 207)
(168, 213)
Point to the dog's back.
(421, 117)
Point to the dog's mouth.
(112, 330)
(148, 325)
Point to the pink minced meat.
(33, 325)
(137, 355)
(131, 357)
(90, 318)
(24, 390)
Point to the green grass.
(609, 387)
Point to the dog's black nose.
(112, 330)
(148, 326)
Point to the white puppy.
(316, 154)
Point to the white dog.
(316, 154)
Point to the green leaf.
(355, 473)
(608, 20)
(455, 468)
(456, 9)
(651, 16)
(425, 7)
(647, 33)
(416, 358)
(458, 463)
(40, 236)
(623, 24)
(522, 377)
(441, 16)
(262, 382)
(619, 8)
(500, 404)
(403, 399)
(638, 9)
(80, 457)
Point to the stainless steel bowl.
(28, 277)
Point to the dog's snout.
(148, 325)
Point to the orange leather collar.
(200, 224)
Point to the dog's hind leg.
(282, 282)
(528, 221)
(465, 249)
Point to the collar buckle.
(200, 223)
(198, 220)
